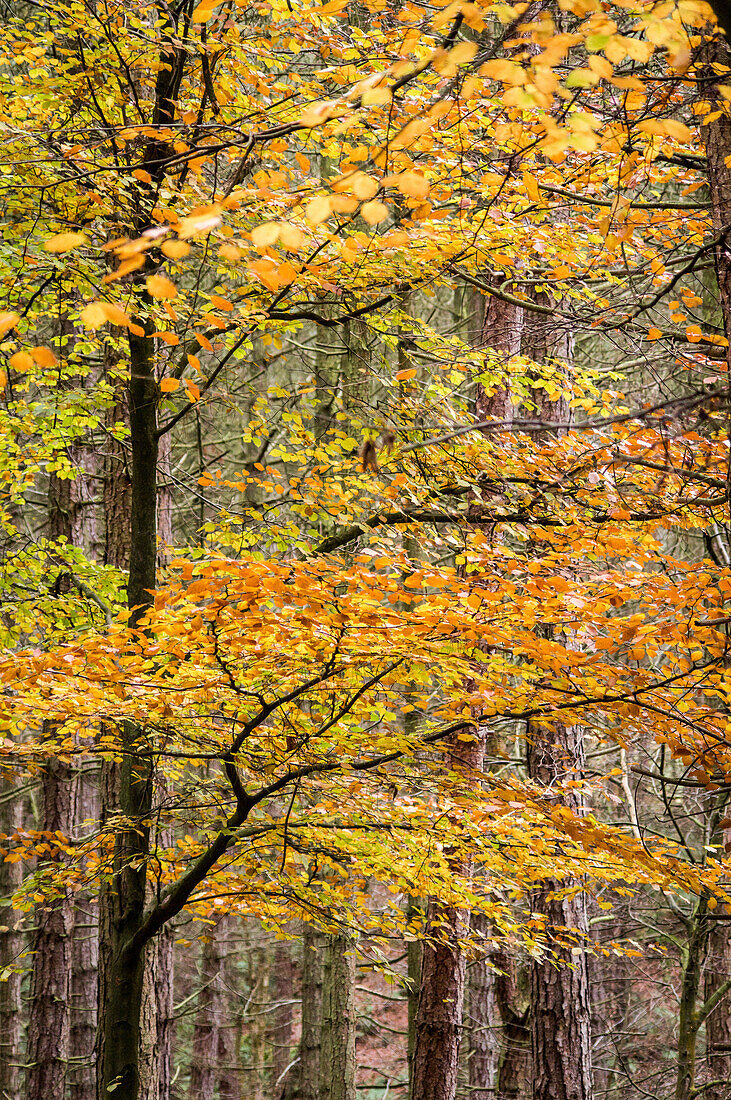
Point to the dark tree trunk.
(482, 1022)
(11, 947)
(122, 959)
(718, 1023)
(84, 952)
(49, 1018)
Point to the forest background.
(366, 550)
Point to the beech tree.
(254, 219)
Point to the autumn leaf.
(64, 242)
(160, 287)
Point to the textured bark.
(694, 955)
(49, 1018)
(157, 1018)
(560, 1002)
(308, 1068)
(337, 1042)
(285, 980)
(560, 1016)
(513, 999)
(84, 952)
(123, 959)
(718, 1024)
(11, 947)
(483, 1023)
(210, 1017)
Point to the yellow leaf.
(291, 237)
(160, 287)
(374, 212)
(8, 321)
(175, 250)
(63, 242)
(531, 187)
(332, 8)
(168, 385)
(362, 186)
(463, 53)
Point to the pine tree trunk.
(49, 1018)
(337, 1042)
(308, 1070)
(210, 1017)
(84, 953)
(483, 1023)
(285, 980)
(560, 1016)
(11, 948)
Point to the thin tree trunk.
(337, 1043)
(84, 954)
(11, 947)
(694, 956)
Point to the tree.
(247, 699)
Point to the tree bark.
(49, 1018)
(84, 954)
(285, 980)
(122, 960)
(483, 1023)
(337, 1043)
(308, 1070)
(210, 1017)
(718, 1024)
(11, 947)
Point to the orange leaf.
(374, 212)
(44, 357)
(318, 210)
(175, 250)
(63, 242)
(405, 375)
(169, 385)
(192, 390)
(8, 321)
(21, 361)
(160, 287)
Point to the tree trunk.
(285, 981)
(337, 1043)
(210, 1017)
(308, 1070)
(122, 959)
(560, 1002)
(693, 959)
(718, 1024)
(11, 947)
(483, 1023)
(49, 1019)
(84, 954)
